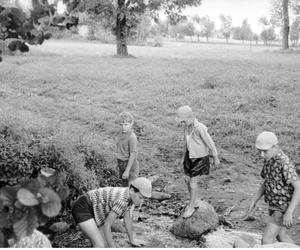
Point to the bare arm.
(259, 193)
(257, 197)
(128, 225)
(296, 196)
(131, 159)
(107, 228)
(288, 216)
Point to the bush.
(25, 151)
(16, 157)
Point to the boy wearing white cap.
(198, 146)
(281, 189)
(96, 210)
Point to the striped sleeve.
(119, 206)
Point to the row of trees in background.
(138, 16)
(134, 19)
(204, 27)
(140, 25)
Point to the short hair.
(125, 117)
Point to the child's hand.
(288, 219)
(125, 175)
(216, 162)
(182, 161)
(249, 212)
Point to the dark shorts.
(276, 217)
(82, 209)
(133, 174)
(196, 166)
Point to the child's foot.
(188, 212)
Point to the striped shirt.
(109, 199)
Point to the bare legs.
(90, 229)
(193, 191)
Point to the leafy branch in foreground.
(26, 206)
(28, 21)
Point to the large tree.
(285, 24)
(124, 15)
(280, 16)
(27, 21)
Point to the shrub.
(23, 155)
(16, 157)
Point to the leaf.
(53, 205)
(26, 225)
(8, 196)
(18, 205)
(63, 193)
(4, 220)
(2, 240)
(33, 185)
(27, 198)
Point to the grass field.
(77, 89)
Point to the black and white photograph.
(149, 124)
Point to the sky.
(237, 9)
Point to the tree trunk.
(121, 31)
(285, 24)
(227, 40)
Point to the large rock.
(203, 219)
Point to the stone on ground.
(203, 219)
(160, 196)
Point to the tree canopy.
(123, 15)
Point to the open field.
(77, 89)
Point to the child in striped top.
(96, 210)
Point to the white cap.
(266, 140)
(143, 185)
